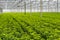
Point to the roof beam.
(17, 2)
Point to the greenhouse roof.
(16, 4)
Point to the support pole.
(30, 7)
(24, 7)
(21, 10)
(48, 5)
(57, 6)
(1, 10)
(40, 8)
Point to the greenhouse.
(29, 19)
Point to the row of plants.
(29, 27)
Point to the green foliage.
(19, 26)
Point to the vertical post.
(1, 10)
(30, 7)
(57, 6)
(24, 7)
(6, 4)
(48, 5)
(21, 10)
(40, 8)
